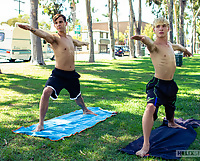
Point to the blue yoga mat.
(68, 124)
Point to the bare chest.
(164, 52)
(65, 47)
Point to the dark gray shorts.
(60, 79)
(161, 92)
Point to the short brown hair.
(57, 16)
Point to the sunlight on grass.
(114, 85)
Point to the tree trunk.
(181, 35)
(176, 21)
(138, 29)
(89, 24)
(36, 47)
(73, 12)
(110, 23)
(170, 8)
(131, 21)
(116, 9)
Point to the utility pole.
(19, 5)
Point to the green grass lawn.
(116, 85)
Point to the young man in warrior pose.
(162, 89)
(64, 75)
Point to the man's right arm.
(42, 34)
(146, 40)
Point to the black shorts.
(162, 92)
(60, 79)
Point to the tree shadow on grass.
(106, 134)
(124, 83)
(22, 84)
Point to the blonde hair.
(160, 21)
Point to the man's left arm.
(181, 48)
(79, 43)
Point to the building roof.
(123, 26)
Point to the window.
(101, 34)
(2, 36)
(107, 35)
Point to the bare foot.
(142, 152)
(174, 125)
(89, 112)
(38, 128)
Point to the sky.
(9, 9)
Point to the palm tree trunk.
(36, 47)
(182, 5)
(138, 29)
(170, 8)
(110, 23)
(89, 23)
(131, 21)
(73, 12)
(176, 21)
(116, 9)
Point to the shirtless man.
(162, 89)
(64, 75)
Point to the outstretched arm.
(79, 43)
(48, 37)
(181, 48)
(146, 40)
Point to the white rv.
(15, 43)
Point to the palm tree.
(170, 10)
(181, 36)
(89, 23)
(195, 10)
(131, 22)
(110, 22)
(116, 12)
(176, 18)
(73, 10)
(36, 47)
(138, 29)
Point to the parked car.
(119, 51)
(126, 49)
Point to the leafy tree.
(44, 26)
(21, 18)
(52, 7)
(121, 36)
(148, 31)
(73, 10)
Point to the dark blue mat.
(68, 124)
(165, 141)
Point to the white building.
(100, 39)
